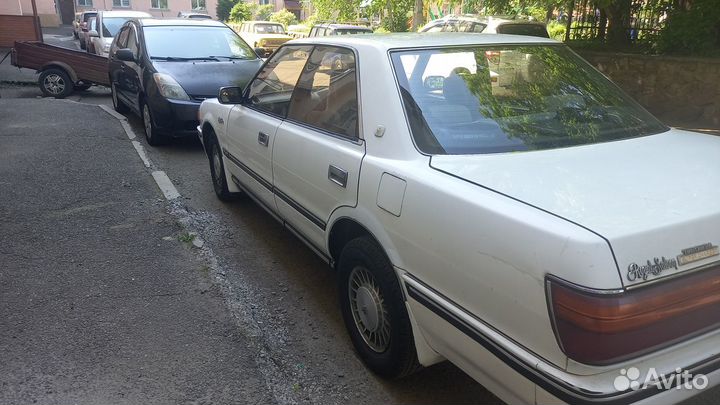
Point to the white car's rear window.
(512, 98)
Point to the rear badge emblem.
(697, 253)
(653, 268)
(650, 268)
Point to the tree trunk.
(602, 26)
(418, 19)
(618, 14)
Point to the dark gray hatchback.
(163, 69)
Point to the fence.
(587, 21)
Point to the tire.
(217, 170)
(371, 300)
(55, 83)
(152, 134)
(118, 105)
(82, 44)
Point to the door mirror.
(93, 33)
(260, 52)
(230, 95)
(125, 55)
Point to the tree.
(240, 12)
(261, 12)
(344, 10)
(283, 17)
(618, 20)
(223, 9)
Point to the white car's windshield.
(183, 42)
(512, 98)
(269, 29)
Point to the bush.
(692, 31)
(310, 21)
(283, 17)
(240, 12)
(556, 30)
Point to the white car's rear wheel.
(374, 310)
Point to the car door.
(118, 68)
(252, 125)
(318, 149)
(133, 70)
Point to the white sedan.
(491, 200)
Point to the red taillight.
(596, 328)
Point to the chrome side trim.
(565, 386)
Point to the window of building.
(197, 4)
(84, 3)
(121, 3)
(163, 4)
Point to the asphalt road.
(93, 293)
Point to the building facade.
(55, 12)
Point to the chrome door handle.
(263, 139)
(338, 176)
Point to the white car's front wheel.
(217, 170)
(374, 310)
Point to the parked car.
(538, 235)
(487, 25)
(194, 15)
(80, 25)
(162, 69)
(85, 35)
(320, 30)
(264, 34)
(108, 23)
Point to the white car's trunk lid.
(656, 199)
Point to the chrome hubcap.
(368, 309)
(147, 121)
(54, 83)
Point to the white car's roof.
(425, 40)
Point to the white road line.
(112, 112)
(141, 152)
(161, 178)
(166, 186)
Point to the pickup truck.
(61, 70)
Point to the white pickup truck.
(490, 200)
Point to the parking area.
(271, 330)
(125, 280)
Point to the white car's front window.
(512, 98)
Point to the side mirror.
(434, 82)
(260, 52)
(93, 33)
(230, 95)
(125, 55)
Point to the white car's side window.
(272, 88)
(326, 94)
